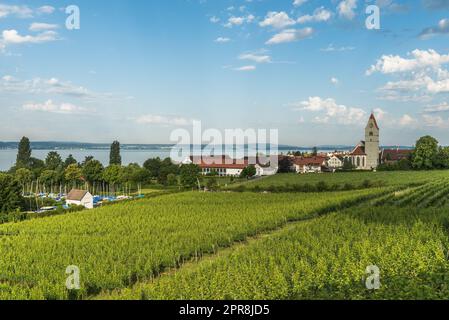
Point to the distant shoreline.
(77, 146)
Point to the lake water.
(8, 156)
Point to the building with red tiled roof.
(309, 165)
(395, 155)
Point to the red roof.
(313, 161)
(359, 151)
(220, 162)
(372, 117)
(395, 154)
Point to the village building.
(365, 155)
(264, 171)
(226, 167)
(335, 162)
(80, 198)
(309, 165)
(389, 156)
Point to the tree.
(314, 151)
(73, 174)
(285, 164)
(141, 176)
(425, 153)
(212, 183)
(10, 194)
(442, 158)
(36, 166)
(189, 174)
(92, 171)
(248, 172)
(167, 167)
(153, 166)
(48, 178)
(24, 153)
(86, 160)
(24, 176)
(70, 160)
(114, 156)
(347, 165)
(172, 179)
(53, 161)
(113, 175)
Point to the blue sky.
(136, 70)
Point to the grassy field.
(242, 245)
(339, 179)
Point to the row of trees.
(57, 175)
(428, 155)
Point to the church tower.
(372, 148)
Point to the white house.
(263, 171)
(334, 162)
(80, 198)
(309, 165)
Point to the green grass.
(355, 178)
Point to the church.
(365, 155)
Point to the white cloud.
(13, 37)
(50, 106)
(277, 20)
(421, 75)
(255, 57)
(16, 11)
(319, 15)
(442, 107)
(44, 86)
(441, 28)
(163, 120)
(290, 35)
(330, 110)
(335, 81)
(46, 10)
(8, 78)
(246, 68)
(214, 19)
(222, 40)
(332, 48)
(419, 59)
(407, 120)
(298, 3)
(346, 9)
(238, 21)
(37, 26)
(435, 121)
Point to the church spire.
(372, 117)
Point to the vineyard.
(241, 245)
(117, 246)
(433, 194)
(338, 180)
(325, 258)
